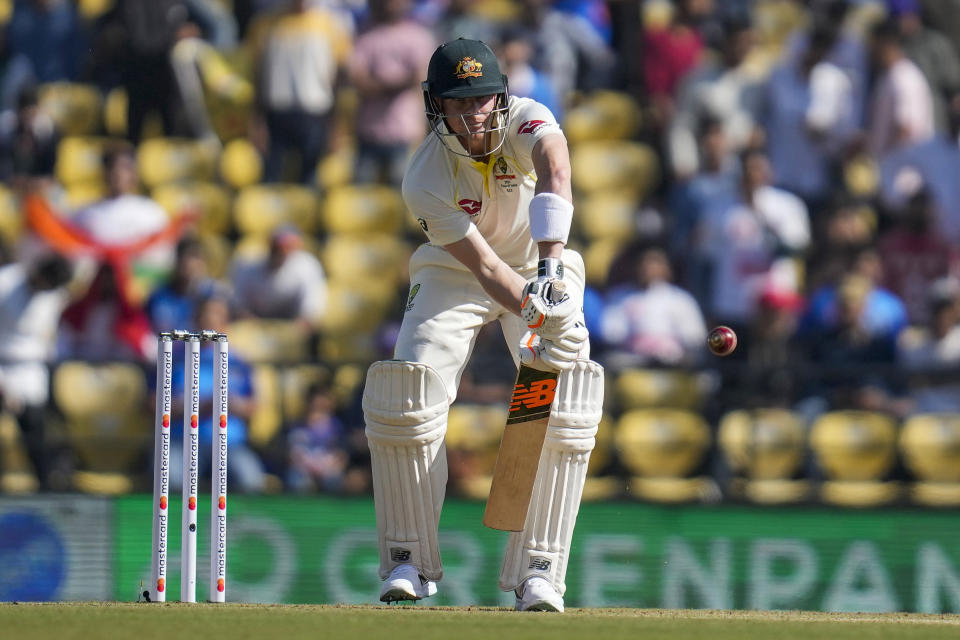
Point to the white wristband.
(550, 218)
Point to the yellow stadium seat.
(75, 108)
(259, 209)
(216, 250)
(115, 112)
(357, 256)
(81, 194)
(363, 209)
(614, 165)
(295, 383)
(337, 169)
(473, 440)
(267, 418)
(16, 472)
(662, 447)
(269, 341)
(349, 348)
(356, 305)
(765, 448)
(207, 202)
(647, 388)
(856, 450)
(603, 115)
(930, 444)
(92, 9)
(103, 408)
(240, 164)
(607, 215)
(861, 176)
(163, 160)
(80, 159)
(598, 257)
(11, 217)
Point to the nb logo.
(540, 564)
(539, 394)
(398, 554)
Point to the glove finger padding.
(547, 355)
(549, 318)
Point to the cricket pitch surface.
(144, 621)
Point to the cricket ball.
(722, 341)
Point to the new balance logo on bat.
(539, 393)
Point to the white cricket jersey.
(452, 196)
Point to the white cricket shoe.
(537, 594)
(406, 583)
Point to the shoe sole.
(542, 606)
(398, 595)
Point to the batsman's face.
(468, 116)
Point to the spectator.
(32, 297)
(124, 217)
(525, 80)
(883, 313)
(28, 141)
(808, 120)
(386, 66)
(914, 255)
(714, 186)
(567, 49)
(931, 353)
(173, 304)
(935, 56)
(843, 229)
(935, 164)
(460, 20)
(653, 321)
(299, 72)
(669, 54)
(245, 468)
(49, 36)
(318, 451)
(288, 284)
(902, 105)
(720, 91)
(753, 242)
(105, 324)
(151, 28)
(856, 362)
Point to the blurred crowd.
(786, 168)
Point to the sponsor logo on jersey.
(531, 126)
(471, 207)
(468, 68)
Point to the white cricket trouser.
(447, 307)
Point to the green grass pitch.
(132, 621)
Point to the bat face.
(519, 454)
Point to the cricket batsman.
(490, 187)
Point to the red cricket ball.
(722, 341)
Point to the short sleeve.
(443, 222)
(531, 121)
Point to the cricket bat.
(519, 455)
